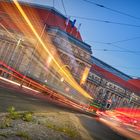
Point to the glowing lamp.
(84, 76)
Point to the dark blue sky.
(125, 55)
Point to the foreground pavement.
(25, 102)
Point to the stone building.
(113, 86)
(18, 51)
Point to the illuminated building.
(111, 84)
(21, 50)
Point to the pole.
(13, 54)
(14, 51)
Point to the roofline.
(46, 7)
(115, 82)
(36, 5)
(111, 67)
(73, 38)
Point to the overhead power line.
(125, 40)
(64, 7)
(124, 49)
(118, 41)
(133, 68)
(116, 46)
(121, 51)
(116, 72)
(53, 3)
(113, 10)
(97, 20)
(105, 21)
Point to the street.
(24, 102)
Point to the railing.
(11, 74)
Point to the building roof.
(79, 43)
(135, 82)
(110, 68)
(114, 78)
(114, 75)
(48, 15)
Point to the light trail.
(67, 75)
(53, 93)
(84, 76)
(129, 112)
(18, 84)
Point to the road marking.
(8, 96)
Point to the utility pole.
(14, 52)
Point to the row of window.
(115, 87)
(72, 49)
(110, 85)
(94, 77)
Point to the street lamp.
(62, 79)
(67, 89)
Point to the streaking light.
(15, 83)
(57, 63)
(84, 76)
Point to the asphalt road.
(24, 102)
(99, 131)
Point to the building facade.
(104, 83)
(112, 86)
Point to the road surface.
(24, 102)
